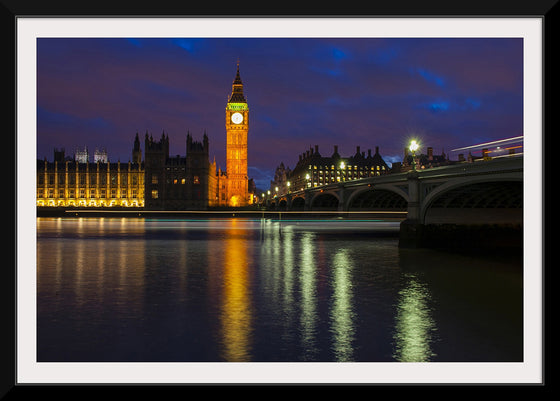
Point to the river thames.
(264, 290)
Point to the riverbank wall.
(483, 238)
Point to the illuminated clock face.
(236, 118)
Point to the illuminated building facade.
(80, 183)
(313, 170)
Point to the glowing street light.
(342, 167)
(413, 148)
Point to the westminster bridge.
(488, 193)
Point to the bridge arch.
(377, 199)
(298, 203)
(480, 199)
(325, 201)
(379, 196)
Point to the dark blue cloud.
(431, 77)
(188, 44)
(63, 121)
(438, 106)
(473, 104)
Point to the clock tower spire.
(237, 89)
(237, 128)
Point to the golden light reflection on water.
(414, 323)
(236, 310)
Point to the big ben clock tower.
(237, 127)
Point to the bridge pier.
(411, 234)
(288, 202)
(414, 201)
(412, 229)
(307, 206)
(341, 200)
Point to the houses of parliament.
(159, 182)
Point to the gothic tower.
(237, 127)
(136, 152)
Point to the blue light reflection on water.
(113, 289)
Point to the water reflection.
(251, 290)
(289, 285)
(342, 315)
(414, 326)
(236, 308)
(83, 285)
(308, 284)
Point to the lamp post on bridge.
(411, 229)
(413, 148)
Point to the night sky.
(302, 92)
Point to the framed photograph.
(331, 199)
